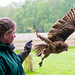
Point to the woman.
(10, 62)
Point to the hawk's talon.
(40, 64)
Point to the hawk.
(55, 42)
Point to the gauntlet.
(27, 49)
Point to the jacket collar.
(4, 47)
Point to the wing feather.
(67, 18)
(46, 40)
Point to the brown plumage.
(55, 42)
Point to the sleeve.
(2, 67)
(23, 55)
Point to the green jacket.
(10, 62)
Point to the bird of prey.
(55, 42)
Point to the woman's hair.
(6, 24)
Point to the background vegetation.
(42, 13)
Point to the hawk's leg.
(43, 59)
(39, 54)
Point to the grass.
(55, 64)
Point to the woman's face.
(10, 37)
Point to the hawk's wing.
(64, 27)
(61, 29)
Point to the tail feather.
(40, 48)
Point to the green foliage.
(42, 13)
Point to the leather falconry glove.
(27, 49)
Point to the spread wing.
(63, 28)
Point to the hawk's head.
(61, 46)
